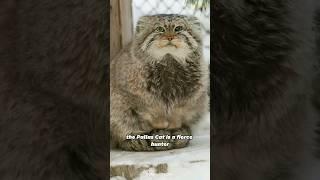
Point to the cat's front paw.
(136, 145)
(158, 140)
(180, 132)
(174, 138)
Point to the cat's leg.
(157, 121)
(127, 120)
(124, 121)
(146, 144)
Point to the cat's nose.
(170, 38)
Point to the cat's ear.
(142, 23)
(194, 24)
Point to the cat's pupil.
(160, 29)
(178, 28)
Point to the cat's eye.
(160, 29)
(178, 29)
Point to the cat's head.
(159, 35)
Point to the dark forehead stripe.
(169, 17)
(169, 20)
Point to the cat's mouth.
(171, 44)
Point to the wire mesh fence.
(150, 7)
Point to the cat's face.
(159, 35)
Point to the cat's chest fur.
(172, 81)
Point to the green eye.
(160, 29)
(178, 29)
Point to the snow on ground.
(190, 163)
